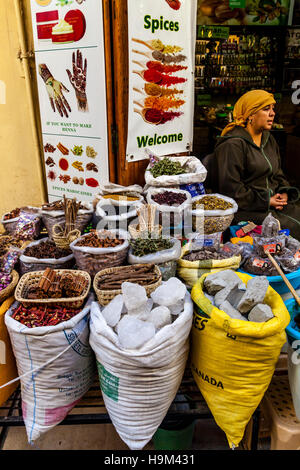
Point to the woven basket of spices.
(107, 283)
(5, 293)
(100, 249)
(33, 285)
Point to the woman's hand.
(279, 201)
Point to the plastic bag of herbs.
(173, 171)
(164, 252)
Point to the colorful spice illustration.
(159, 46)
(162, 103)
(92, 182)
(63, 164)
(156, 116)
(168, 58)
(63, 149)
(49, 148)
(64, 178)
(153, 89)
(153, 76)
(175, 4)
(50, 162)
(51, 175)
(78, 166)
(156, 65)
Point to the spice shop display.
(171, 204)
(100, 249)
(62, 287)
(43, 253)
(53, 214)
(212, 213)
(174, 171)
(163, 252)
(108, 282)
(237, 64)
(17, 219)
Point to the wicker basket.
(62, 241)
(32, 279)
(105, 296)
(5, 293)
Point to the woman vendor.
(246, 165)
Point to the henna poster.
(70, 63)
(162, 36)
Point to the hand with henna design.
(78, 80)
(55, 91)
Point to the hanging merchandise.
(70, 63)
(161, 38)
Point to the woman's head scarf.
(248, 104)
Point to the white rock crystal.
(134, 295)
(160, 316)
(143, 311)
(112, 311)
(169, 293)
(134, 333)
(177, 309)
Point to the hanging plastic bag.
(232, 360)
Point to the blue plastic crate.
(292, 331)
(277, 282)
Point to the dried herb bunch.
(145, 246)
(167, 167)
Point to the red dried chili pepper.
(92, 182)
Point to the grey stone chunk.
(255, 293)
(235, 296)
(223, 294)
(231, 311)
(261, 313)
(218, 281)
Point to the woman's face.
(263, 119)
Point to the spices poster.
(70, 64)
(162, 36)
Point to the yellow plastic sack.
(233, 361)
(191, 271)
(8, 369)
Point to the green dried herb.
(146, 246)
(166, 167)
(212, 203)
